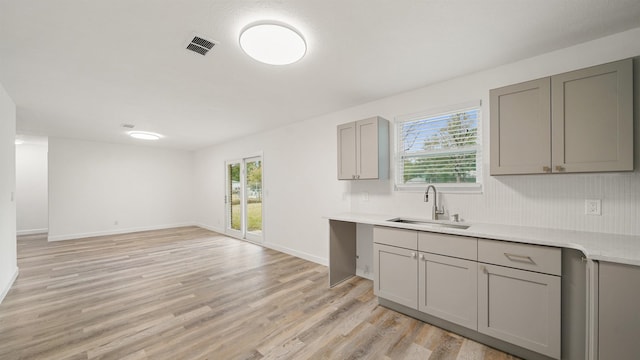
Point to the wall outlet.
(593, 207)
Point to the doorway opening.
(244, 199)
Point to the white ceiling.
(80, 69)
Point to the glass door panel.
(234, 197)
(253, 198)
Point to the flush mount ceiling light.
(144, 135)
(274, 44)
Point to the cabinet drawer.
(521, 256)
(407, 239)
(450, 245)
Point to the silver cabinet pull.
(422, 257)
(546, 169)
(520, 258)
(413, 255)
(484, 269)
(559, 168)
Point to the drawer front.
(450, 245)
(537, 258)
(407, 239)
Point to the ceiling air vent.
(200, 45)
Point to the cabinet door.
(520, 307)
(367, 148)
(347, 151)
(396, 274)
(521, 128)
(619, 311)
(448, 289)
(593, 119)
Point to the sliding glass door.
(244, 200)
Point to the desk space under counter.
(545, 283)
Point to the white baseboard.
(362, 274)
(296, 253)
(7, 287)
(212, 228)
(283, 249)
(116, 232)
(32, 231)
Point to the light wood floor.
(189, 293)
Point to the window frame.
(466, 188)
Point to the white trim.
(361, 273)
(450, 188)
(438, 111)
(32, 231)
(282, 249)
(296, 253)
(116, 232)
(211, 228)
(7, 287)
(592, 273)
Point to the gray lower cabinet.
(619, 311)
(396, 274)
(519, 294)
(520, 307)
(448, 289)
(505, 290)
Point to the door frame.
(243, 233)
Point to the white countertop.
(623, 249)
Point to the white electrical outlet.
(593, 207)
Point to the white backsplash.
(552, 201)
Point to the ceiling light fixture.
(144, 135)
(271, 43)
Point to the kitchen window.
(440, 147)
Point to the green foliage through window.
(440, 149)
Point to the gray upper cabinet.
(346, 151)
(363, 149)
(592, 111)
(580, 121)
(520, 128)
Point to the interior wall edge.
(9, 284)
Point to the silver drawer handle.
(520, 258)
(413, 255)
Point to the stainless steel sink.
(429, 223)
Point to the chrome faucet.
(434, 210)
